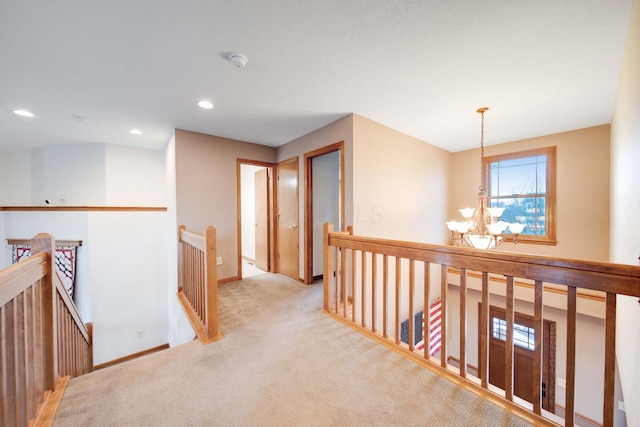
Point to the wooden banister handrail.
(14, 277)
(198, 288)
(40, 336)
(541, 279)
(580, 274)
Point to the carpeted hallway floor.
(281, 363)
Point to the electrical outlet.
(141, 333)
(621, 405)
(219, 260)
(562, 382)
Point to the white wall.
(248, 203)
(326, 202)
(128, 282)
(75, 172)
(5, 254)
(134, 176)
(180, 330)
(15, 178)
(123, 273)
(625, 206)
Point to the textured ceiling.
(421, 67)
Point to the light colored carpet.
(281, 363)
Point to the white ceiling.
(421, 67)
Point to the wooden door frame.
(551, 387)
(308, 203)
(276, 261)
(270, 201)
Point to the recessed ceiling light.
(205, 104)
(135, 132)
(23, 113)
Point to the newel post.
(45, 243)
(211, 281)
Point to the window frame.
(550, 209)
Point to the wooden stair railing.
(43, 340)
(369, 281)
(198, 288)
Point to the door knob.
(294, 226)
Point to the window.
(524, 184)
(523, 336)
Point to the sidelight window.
(523, 336)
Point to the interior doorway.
(324, 202)
(255, 217)
(523, 346)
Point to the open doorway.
(255, 201)
(324, 202)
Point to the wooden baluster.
(9, 343)
(39, 337)
(343, 284)
(4, 395)
(412, 283)
(20, 358)
(484, 332)
(339, 273)
(396, 328)
(90, 347)
(60, 328)
(31, 357)
(385, 294)
(426, 314)
(463, 323)
(508, 345)
(443, 333)
(352, 284)
(185, 270)
(609, 360)
(374, 281)
(329, 270)
(200, 288)
(363, 286)
(537, 353)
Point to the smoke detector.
(238, 60)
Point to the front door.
(522, 356)
(287, 218)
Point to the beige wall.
(399, 185)
(206, 188)
(625, 211)
(582, 185)
(340, 130)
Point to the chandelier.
(482, 228)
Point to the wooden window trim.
(550, 152)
